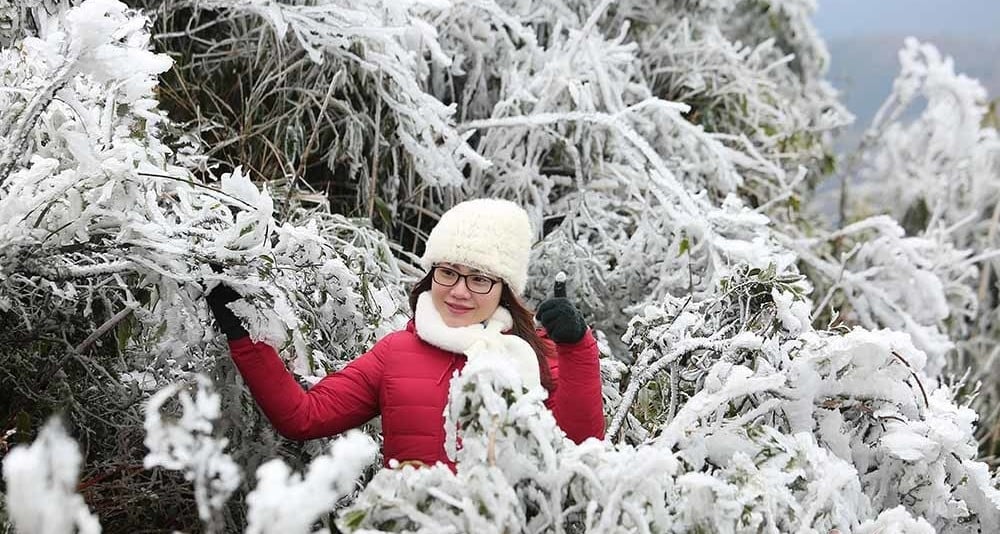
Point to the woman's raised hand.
(225, 319)
(562, 320)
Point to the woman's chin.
(457, 322)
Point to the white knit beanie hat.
(490, 235)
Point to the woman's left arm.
(576, 403)
(578, 406)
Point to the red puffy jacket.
(406, 380)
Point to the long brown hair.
(524, 324)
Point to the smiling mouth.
(457, 310)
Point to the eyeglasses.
(476, 283)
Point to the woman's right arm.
(339, 402)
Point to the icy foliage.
(93, 210)
(41, 478)
(188, 445)
(762, 373)
(865, 396)
(944, 157)
(735, 62)
(880, 278)
(41, 483)
(107, 247)
(941, 166)
(391, 35)
(359, 119)
(286, 502)
(896, 521)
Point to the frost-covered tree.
(335, 107)
(108, 242)
(763, 373)
(942, 166)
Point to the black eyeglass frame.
(464, 278)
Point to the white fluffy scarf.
(481, 343)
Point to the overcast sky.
(924, 18)
(864, 36)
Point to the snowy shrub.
(286, 502)
(104, 228)
(753, 71)
(762, 372)
(187, 445)
(41, 485)
(876, 276)
(107, 247)
(896, 521)
(41, 478)
(942, 165)
(864, 396)
(358, 123)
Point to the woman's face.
(458, 305)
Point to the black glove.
(562, 320)
(225, 319)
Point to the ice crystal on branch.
(188, 445)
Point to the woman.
(467, 306)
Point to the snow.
(284, 501)
(188, 445)
(41, 485)
(762, 372)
